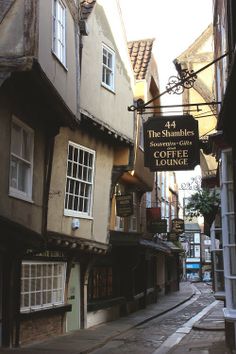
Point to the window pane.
(74, 170)
(70, 153)
(85, 205)
(77, 188)
(16, 139)
(23, 171)
(69, 169)
(26, 146)
(38, 299)
(81, 204)
(90, 162)
(103, 74)
(81, 154)
(25, 300)
(70, 202)
(84, 175)
(109, 61)
(13, 173)
(71, 186)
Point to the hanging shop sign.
(171, 143)
(177, 226)
(157, 226)
(172, 236)
(153, 216)
(124, 205)
(153, 213)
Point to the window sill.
(20, 196)
(45, 311)
(219, 295)
(76, 215)
(108, 88)
(229, 314)
(59, 61)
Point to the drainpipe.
(48, 161)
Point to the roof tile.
(140, 54)
(86, 8)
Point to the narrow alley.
(190, 320)
(118, 177)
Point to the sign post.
(171, 143)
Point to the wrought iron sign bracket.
(176, 85)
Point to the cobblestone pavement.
(148, 337)
(186, 321)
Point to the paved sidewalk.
(207, 335)
(84, 341)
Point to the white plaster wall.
(63, 78)
(105, 26)
(94, 227)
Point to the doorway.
(73, 317)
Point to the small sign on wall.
(124, 205)
(157, 226)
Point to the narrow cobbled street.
(148, 337)
(187, 321)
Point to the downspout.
(48, 161)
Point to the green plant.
(202, 203)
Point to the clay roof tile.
(140, 54)
(86, 8)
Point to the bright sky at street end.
(175, 25)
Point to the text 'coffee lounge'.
(171, 143)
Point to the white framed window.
(120, 223)
(228, 226)
(132, 221)
(197, 251)
(42, 284)
(148, 199)
(59, 31)
(79, 181)
(108, 67)
(21, 160)
(197, 237)
(163, 209)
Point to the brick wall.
(40, 328)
